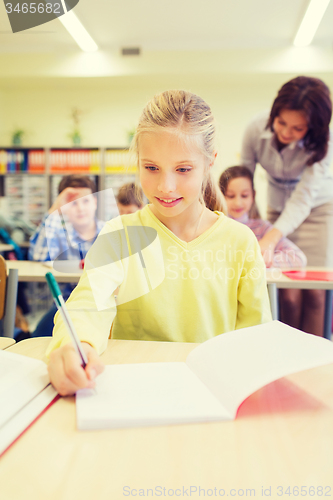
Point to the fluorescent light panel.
(76, 29)
(310, 22)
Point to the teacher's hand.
(267, 245)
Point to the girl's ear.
(211, 163)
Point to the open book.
(25, 392)
(217, 377)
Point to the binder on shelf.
(95, 161)
(11, 164)
(57, 163)
(22, 160)
(36, 161)
(3, 161)
(118, 162)
(81, 161)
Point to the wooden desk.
(276, 278)
(35, 271)
(281, 437)
(6, 342)
(4, 247)
(24, 244)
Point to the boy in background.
(53, 238)
(129, 199)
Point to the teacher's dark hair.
(312, 97)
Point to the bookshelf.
(29, 177)
(118, 171)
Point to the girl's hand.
(268, 243)
(66, 373)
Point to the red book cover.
(310, 275)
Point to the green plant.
(17, 137)
(130, 135)
(75, 135)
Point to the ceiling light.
(76, 29)
(310, 22)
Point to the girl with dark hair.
(129, 198)
(236, 184)
(293, 144)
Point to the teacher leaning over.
(294, 145)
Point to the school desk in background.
(310, 278)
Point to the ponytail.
(212, 197)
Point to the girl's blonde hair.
(191, 118)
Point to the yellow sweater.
(169, 289)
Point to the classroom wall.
(111, 107)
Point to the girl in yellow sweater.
(185, 271)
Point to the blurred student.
(66, 232)
(129, 199)
(236, 183)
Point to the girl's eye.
(184, 169)
(151, 168)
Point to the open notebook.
(25, 392)
(217, 377)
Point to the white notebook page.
(146, 394)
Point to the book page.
(21, 379)
(145, 394)
(236, 364)
(14, 427)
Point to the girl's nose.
(167, 184)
